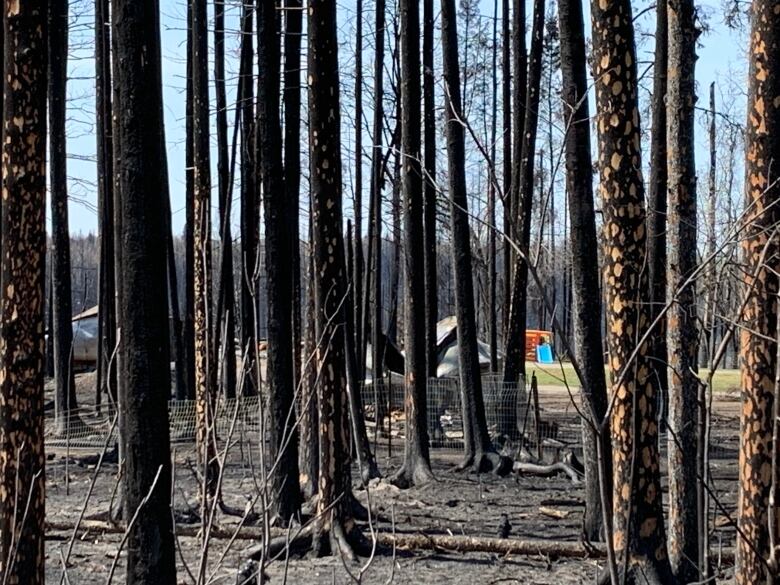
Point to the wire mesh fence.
(86, 428)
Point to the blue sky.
(721, 59)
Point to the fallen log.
(550, 470)
(186, 530)
(553, 513)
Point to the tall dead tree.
(293, 16)
(584, 256)
(492, 308)
(638, 522)
(356, 266)
(278, 244)
(309, 452)
(22, 273)
(758, 530)
(523, 186)
(64, 384)
(682, 332)
(106, 378)
(335, 530)
(416, 468)
(250, 204)
(507, 95)
(479, 451)
(225, 339)
(188, 327)
(430, 259)
(143, 311)
(512, 195)
(656, 201)
(205, 364)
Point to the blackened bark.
(189, 227)
(106, 372)
(682, 333)
(584, 254)
(250, 206)
(283, 431)
(23, 249)
(479, 451)
(523, 184)
(758, 355)
(512, 195)
(656, 202)
(226, 317)
(638, 521)
(356, 266)
(492, 316)
(416, 468)
(506, 175)
(143, 310)
(429, 193)
(64, 385)
(292, 162)
(308, 455)
(335, 530)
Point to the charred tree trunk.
(492, 309)
(205, 364)
(23, 249)
(682, 333)
(512, 195)
(250, 207)
(335, 530)
(142, 312)
(226, 318)
(656, 218)
(638, 523)
(758, 355)
(429, 194)
(584, 255)
(514, 360)
(64, 384)
(308, 455)
(416, 468)
(189, 228)
(479, 452)
(278, 244)
(506, 175)
(106, 370)
(292, 163)
(356, 266)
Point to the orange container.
(533, 339)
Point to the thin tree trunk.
(189, 228)
(584, 255)
(106, 372)
(638, 522)
(682, 333)
(506, 175)
(292, 162)
(416, 468)
(356, 267)
(225, 317)
(143, 313)
(64, 384)
(283, 432)
(492, 308)
(429, 194)
(23, 247)
(479, 451)
(308, 456)
(250, 206)
(656, 201)
(523, 183)
(758, 355)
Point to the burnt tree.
(283, 431)
(584, 256)
(143, 310)
(656, 202)
(64, 384)
(23, 249)
(335, 531)
(638, 522)
(416, 468)
(682, 327)
(758, 355)
(479, 451)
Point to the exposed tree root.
(369, 470)
(409, 475)
(486, 462)
(550, 470)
